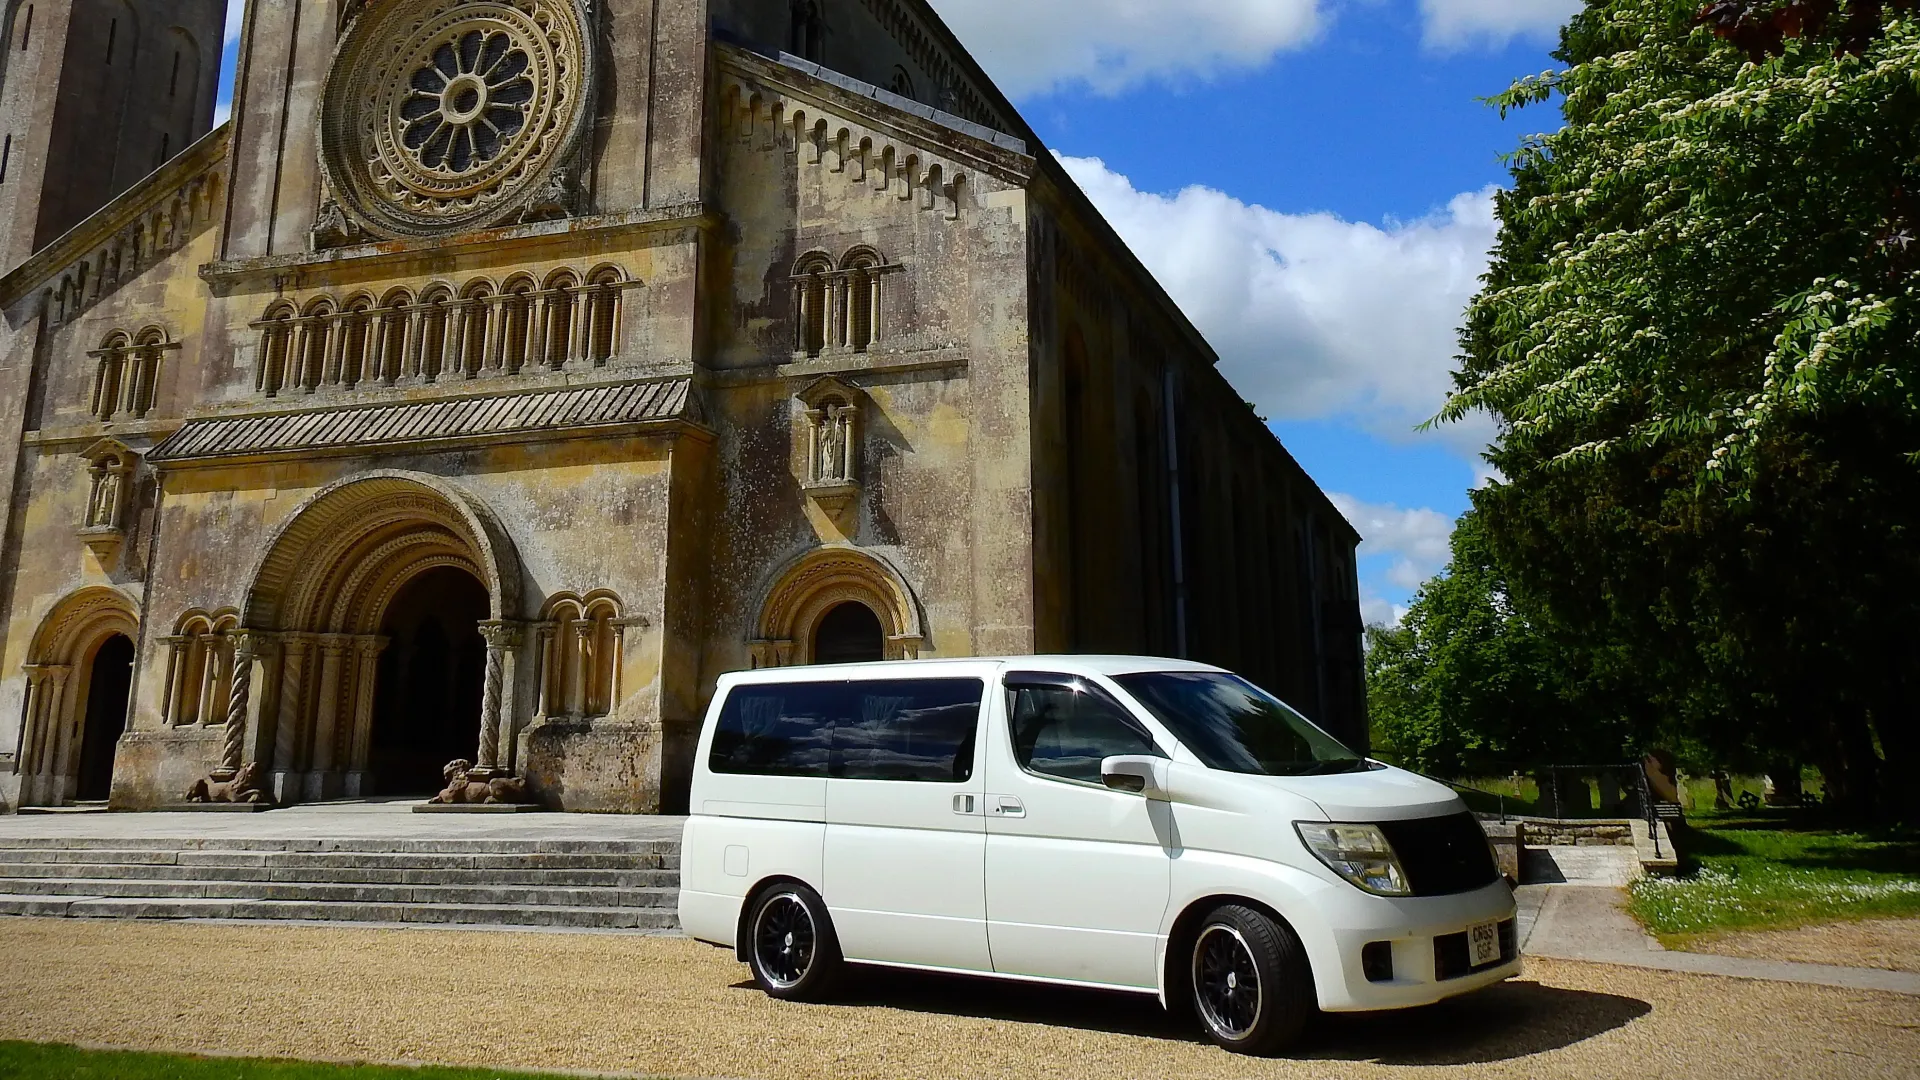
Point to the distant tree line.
(1700, 339)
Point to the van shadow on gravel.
(1503, 1022)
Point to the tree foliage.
(1700, 337)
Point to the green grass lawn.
(1777, 869)
(35, 1061)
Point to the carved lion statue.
(463, 790)
(243, 788)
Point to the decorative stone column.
(38, 776)
(376, 353)
(323, 781)
(366, 670)
(175, 701)
(582, 645)
(502, 639)
(248, 645)
(210, 657)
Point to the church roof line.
(860, 88)
(150, 196)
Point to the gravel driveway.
(669, 1007)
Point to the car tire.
(791, 947)
(1249, 983)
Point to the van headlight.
(1359, 853)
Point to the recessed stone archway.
(60, 678)
(307, 656)
(811, 586)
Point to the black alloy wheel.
(1250, 982)
(791, 945)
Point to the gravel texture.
(670, 1007)
(1888, 944)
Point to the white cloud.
(1451, 25)
(236, 14)
(1312, 315)
(1377, 611)
(1031, 46)
(1415, 539)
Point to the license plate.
(1483, 944)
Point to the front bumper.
(1428, 959)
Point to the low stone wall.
(1511, 838)
(1543, 832)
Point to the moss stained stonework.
(504, 371)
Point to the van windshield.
(1234, 726)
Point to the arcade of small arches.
(127, 372)
(837, 307)
(440, 332)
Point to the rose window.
(448, 114)
(468, 102)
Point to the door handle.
(1008, 806)
(964, 804)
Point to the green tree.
(1700, 337)
(1475, 680)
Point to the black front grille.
(1443, 855)
(1452, 957)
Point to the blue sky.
(1310, 179)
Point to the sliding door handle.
(1008, 806)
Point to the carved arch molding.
(819, 581)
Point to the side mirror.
(1138, 774)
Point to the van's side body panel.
(1077, 875)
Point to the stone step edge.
(655, 896)
(324, 875)
(344, 845)
(336, 911)
(530, 860)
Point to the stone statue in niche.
(103, 509)
(110, 470)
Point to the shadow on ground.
(1511, 1020)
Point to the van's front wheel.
(1251, 985)
(791, 946)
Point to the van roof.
(1065, 665)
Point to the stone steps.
(549, 883)
(618, 879)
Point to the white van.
(1144, 825)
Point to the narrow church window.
(862, 304)
(809, 29)
(113, 35)
(813, 313)
(6, 155)
(26, 29)
(166, 144)
(902, 82)
(173, 82)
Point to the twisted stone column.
(501, 638)
(245, 651)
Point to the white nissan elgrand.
(1144, 825)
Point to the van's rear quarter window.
(900, 729)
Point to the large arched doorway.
(109, 688)
(850, 634)
(371, 599)
(429, 685)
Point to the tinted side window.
(1066, 733)
(921, 729)
(777, 730)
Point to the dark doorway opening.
(426, 709)
(850, 634)
(109, 686)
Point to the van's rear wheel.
(791, 946)
(1251, 985)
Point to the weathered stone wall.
(944, 471)
(1264, 581)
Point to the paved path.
(1582, 915)
(367, 820)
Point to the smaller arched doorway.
(849, 634)
(109, 683)
(430, 680)
(79, 678)
(837, 605)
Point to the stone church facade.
(505, 371)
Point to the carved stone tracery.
(456, 114)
